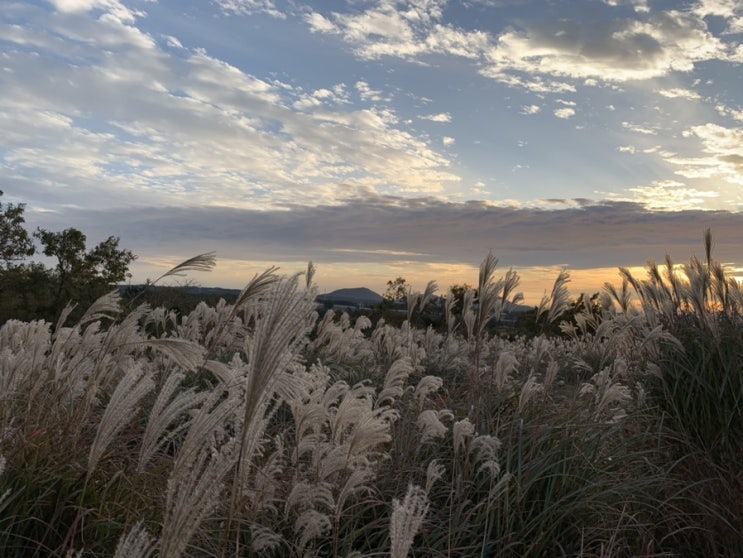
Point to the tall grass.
(255, 429)
(699, 390)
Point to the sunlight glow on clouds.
(670, 195)
(441, 117)
(324, 122)
(725, 149)
(232, 113)
(564, 113)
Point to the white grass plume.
(167, 409)
(137, 543)
(121, 408)
(184, 353)
(485, 448)
(265, 540)
(304, 496)
(488, 293)
(311, 524)
(266, 494)
(463, 430)
(530, 389)
(4, 495)
(608, 395)
(23, 348)
(282, 320)
(622, 297)
(107, 306)
(202, 262)
(394, 381)
(558, 301)
(468, 314)
(196, 481)
(407, 518)
(425, 387)
(434, 473)
(505, 366)
(451, 320)
(428, 292)
(431, 425)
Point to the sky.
(379, 138)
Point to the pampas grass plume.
(407, 518)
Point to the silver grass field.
(258, 429)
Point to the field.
(257, 429)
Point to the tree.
(15, 243)
(397, 290)
(457, 291)
(109, 263)
(31, 291)
(68, 246)
(82, 275)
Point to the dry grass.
(254, 430)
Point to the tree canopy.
(30, 290)
(396, 290)
(15, 243)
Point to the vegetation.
(254, 428)
(31, 291)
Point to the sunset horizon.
(380, 138)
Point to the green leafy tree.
(82, 275)
(29, 290)
(457, 291)
(397, 290)
(15, 243)
(68, 246)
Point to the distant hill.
(200, 292)
(357, 297)
(360, 296)
(511, 308)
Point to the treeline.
(30, 290)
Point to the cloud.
(367, 93)
(319, 24)
(724, 159)
(617, 51)
(637, 128)
(670, 195)
(627, 149)
(735, 114)
(720, 8)
(321, 97)
(440, 117)
(381, 229)
(250, 7)
(651, 45)
(536, 85)
(678, 93)
(530, 109)
(100, 111)
(408, 31)
(564, 113)
(113, 8)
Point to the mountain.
(199, 292)
(360, 296)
